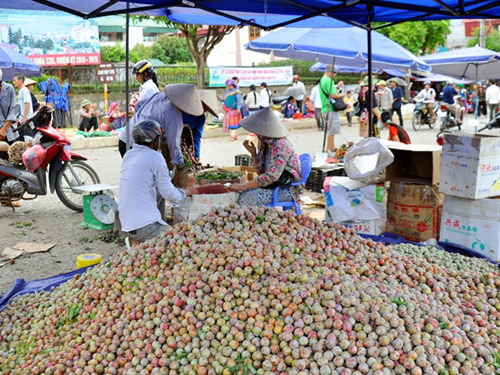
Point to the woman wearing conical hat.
(275, 161)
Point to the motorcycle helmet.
(427, 83)
(147, 131)
(143, 66)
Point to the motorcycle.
(449, 120)
(64, 169)
(493, 124)
(421, 114)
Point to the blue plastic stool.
(306, 166)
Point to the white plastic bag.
(367, 159)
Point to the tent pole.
(127, 73)
(371, 132)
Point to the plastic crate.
(243, 159)
(317, 177)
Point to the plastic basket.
(243, 160)
(317, 177)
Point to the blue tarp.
(21, 286)
(350, 48)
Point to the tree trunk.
(200, 72)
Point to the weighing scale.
(98, 208)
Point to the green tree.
(18, 37)
(10, 36)
(171, 50)
(141, 52)
(112, 53)
(492, 40)
(200, 44)
(49, 44)
(419, 37)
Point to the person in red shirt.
(396, 133)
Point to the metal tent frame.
(360, 13)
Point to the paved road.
(215, 151)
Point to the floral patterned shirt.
(282, 157)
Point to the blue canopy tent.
(473, 63)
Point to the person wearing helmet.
(7, 115)
(429, 95)
(146, 76)
(143, 174)
(300, 85)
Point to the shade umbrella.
(294, 91)
(12, 62)
(443, 78)
(321, 67)
(350, 48)
(399, 81)
(474, 63)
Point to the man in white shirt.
(493, 98)
(429, 96)
(264, 96)
(24, 96)
(299, 98)
(316, 99)
(143, 172)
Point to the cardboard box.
(249, 171)
(474, 224)
(202, 204)
(472, 178)
(471, 145)
(414, 211)
(374, 227)
(414, 163)
(242, 180)
(349, 200)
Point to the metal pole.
(371, 132)
(482, 34)
(127, 41)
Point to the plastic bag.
(367, 159)
(34, 155)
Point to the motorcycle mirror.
(17, 110)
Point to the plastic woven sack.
(33, 157)
(367, 159)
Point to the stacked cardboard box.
(470, 178)
(414, 202)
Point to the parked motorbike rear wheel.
(417, 121)
(66, 180)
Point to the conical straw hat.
(209, 100)
(264, 123)
(185, 97)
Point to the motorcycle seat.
(4, 146)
